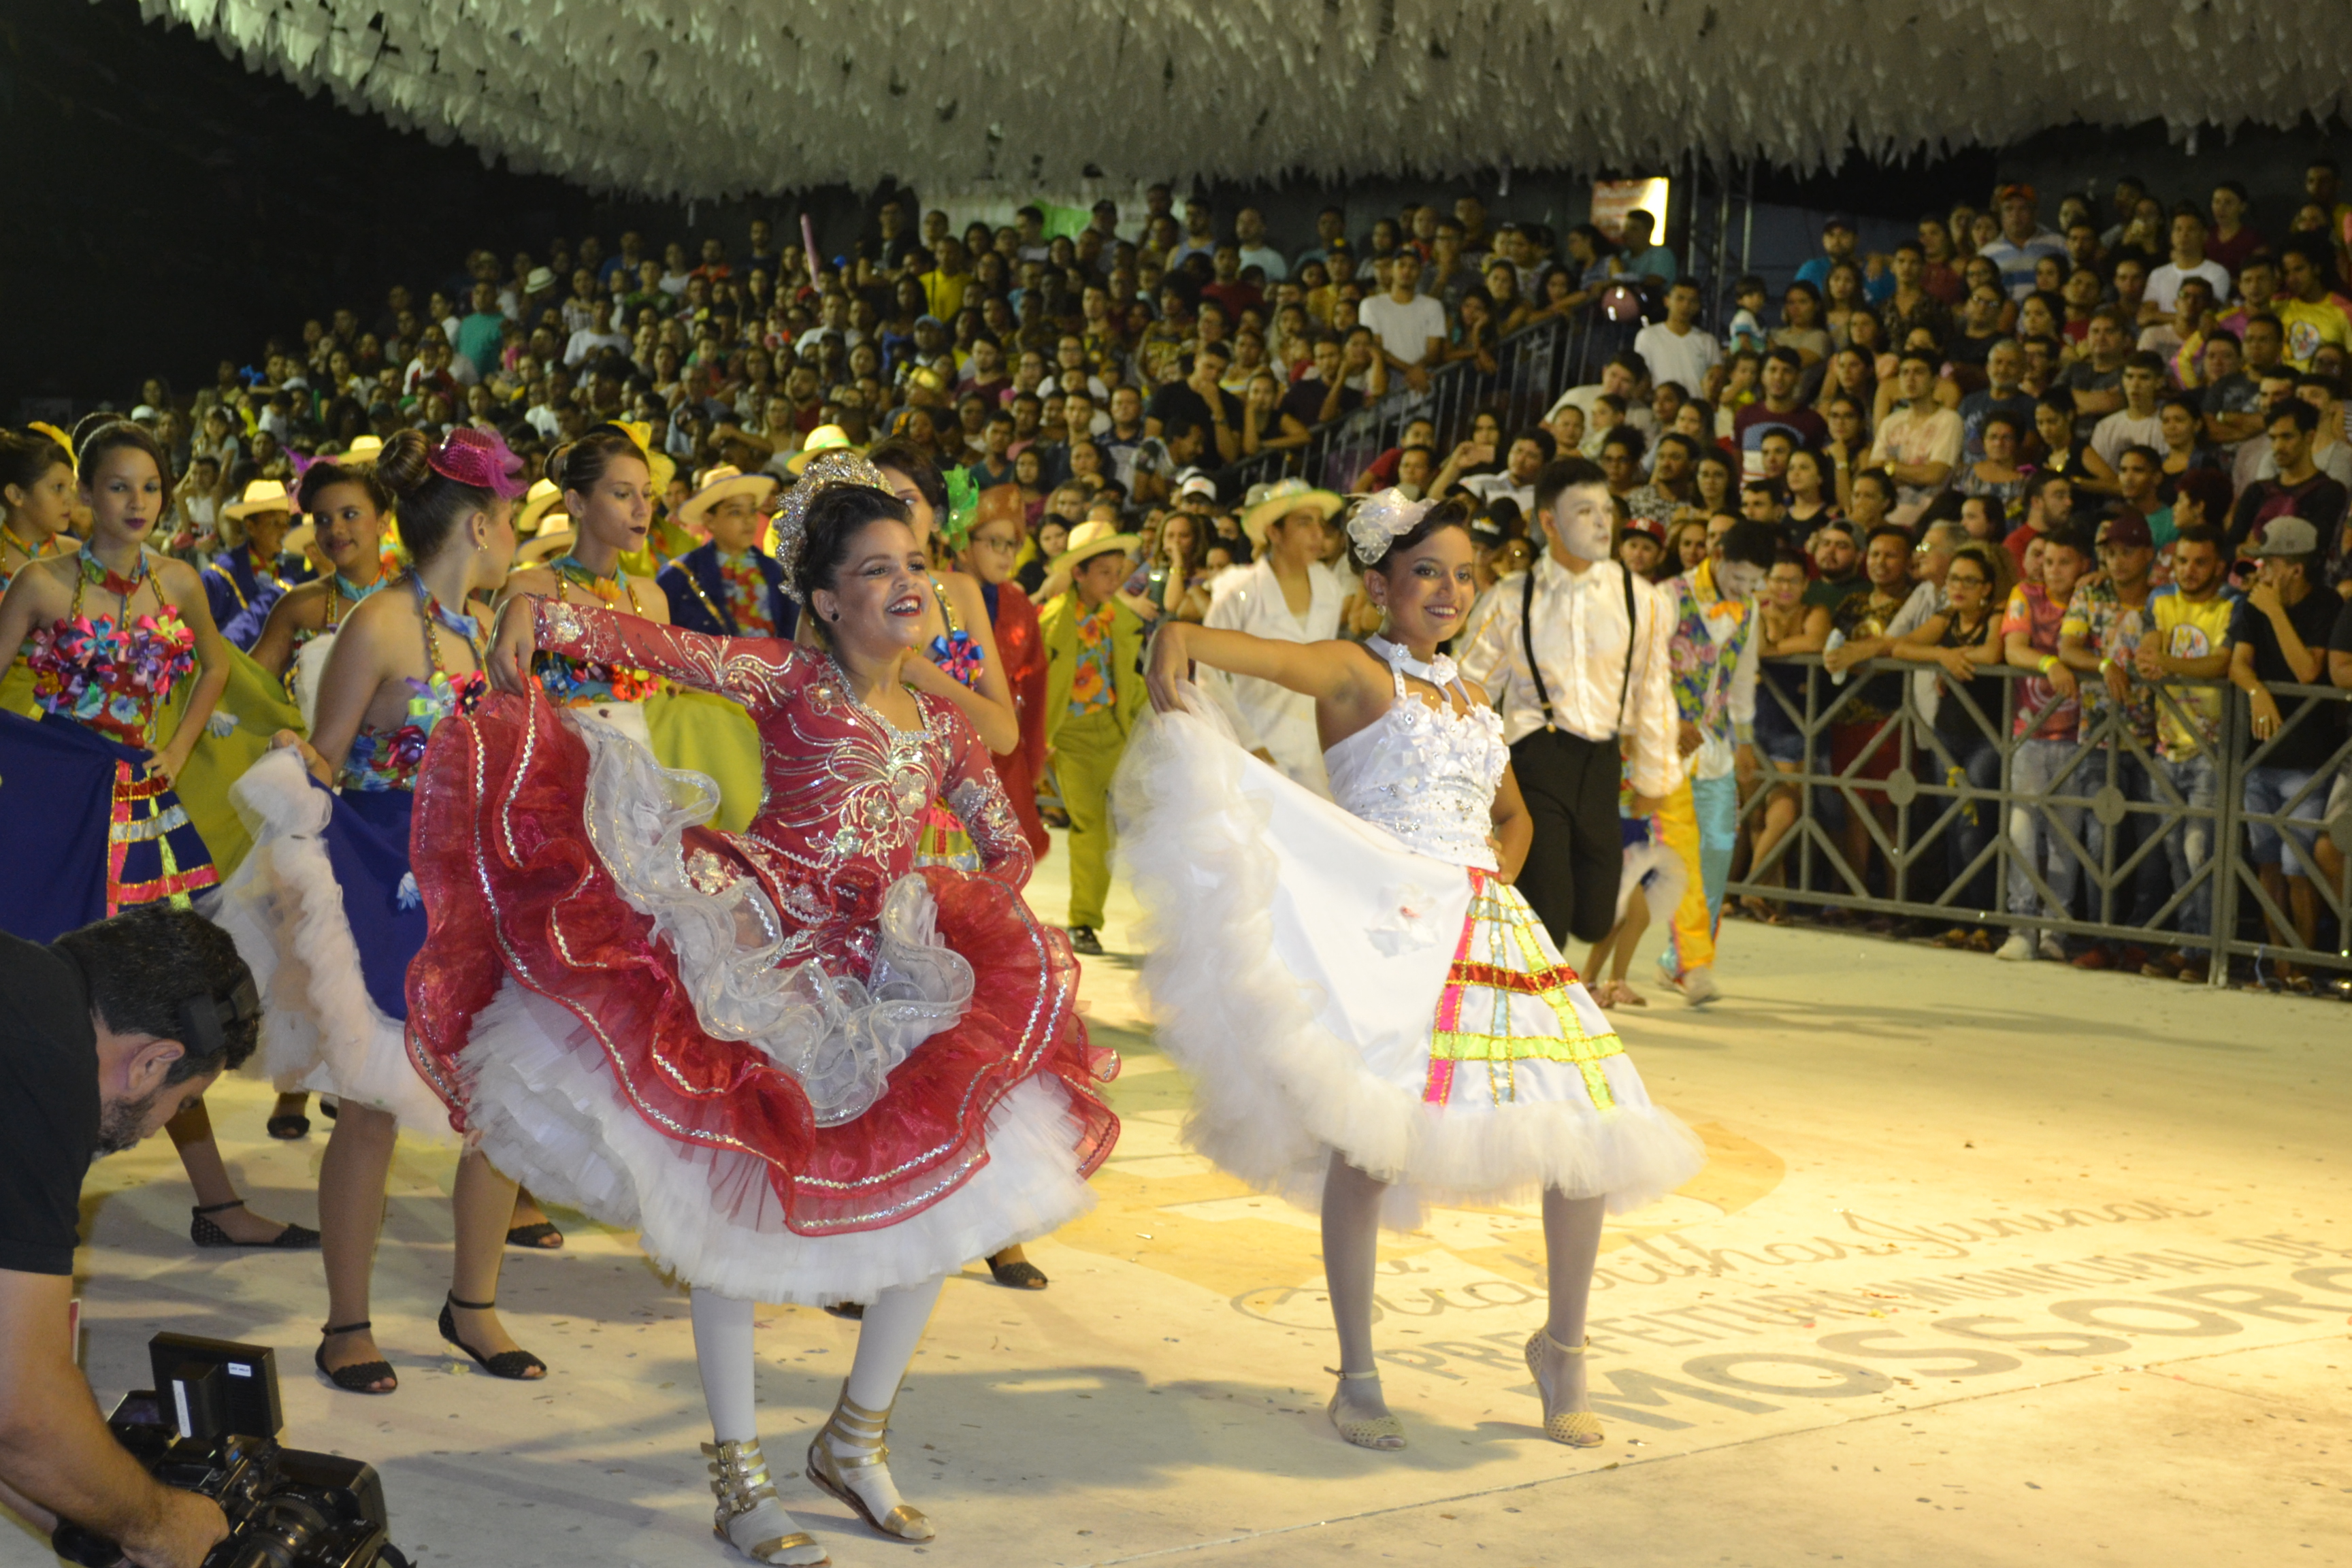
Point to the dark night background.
(172, 208)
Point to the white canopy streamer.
(714, 97)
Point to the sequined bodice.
(111, 677)
(843, 791)
(1426, 776)
(388, 759)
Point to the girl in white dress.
(1372, 1017)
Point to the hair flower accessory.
(479, 459)
(826, 469)
(1384, 518)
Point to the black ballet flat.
(357, 1377)
(289, 1127)
(853, 1311)
(330, 1109)
(1021, 1275)
(540, 1237)
(205, 1232)
(514, 1365)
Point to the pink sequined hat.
(479, 459)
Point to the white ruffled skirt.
(320, 1031)
(1327, 989)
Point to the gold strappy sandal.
(748, 1506)
(862, 1430)
(1576, 1428)
(1385, 1433)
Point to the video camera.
(210, 1425)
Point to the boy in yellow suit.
(1094, 693)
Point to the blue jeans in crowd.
(2189, 842)
(2267, 792)
(2033, 770)
(2151, 880)
(1975, 763)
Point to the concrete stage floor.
(1991, 1264)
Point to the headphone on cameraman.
(205, 1019)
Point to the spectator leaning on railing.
(2284, 627)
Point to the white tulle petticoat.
(321, 1032)
(1328, 989)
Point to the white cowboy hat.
(1280, 500)
(718, 485)
(260, 495)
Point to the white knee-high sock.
(893, 1327)
(722, 1355)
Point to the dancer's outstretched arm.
(1351, 688)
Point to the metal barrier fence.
(1923, 779)
(1533, 366)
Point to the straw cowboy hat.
(1087, 541)
(533, 512)
(260, 496)
(362, 453)
(1280, 500)
(719, 483)
(1091, 540)
(824, 439)
(552, 545)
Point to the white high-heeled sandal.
(1576, 1428)
(1385, 1433)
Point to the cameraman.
(104, 1036)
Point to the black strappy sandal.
(540, 1237)
(205, 1232)
(1021, 1275)
(356, 1377)
(514, 1365)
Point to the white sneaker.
(2018, 949)
(1698, 987)
(2053, 947)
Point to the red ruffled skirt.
(564, 1005)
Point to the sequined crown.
(824, 471)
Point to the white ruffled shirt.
(1580, 636)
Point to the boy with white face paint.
(1713, 656)
(1577, 658)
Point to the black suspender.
(1535, 672)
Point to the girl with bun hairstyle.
(109, 633)
(801, 1068)
(1372, 1017)
(326, 912)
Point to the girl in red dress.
(803, 1071)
